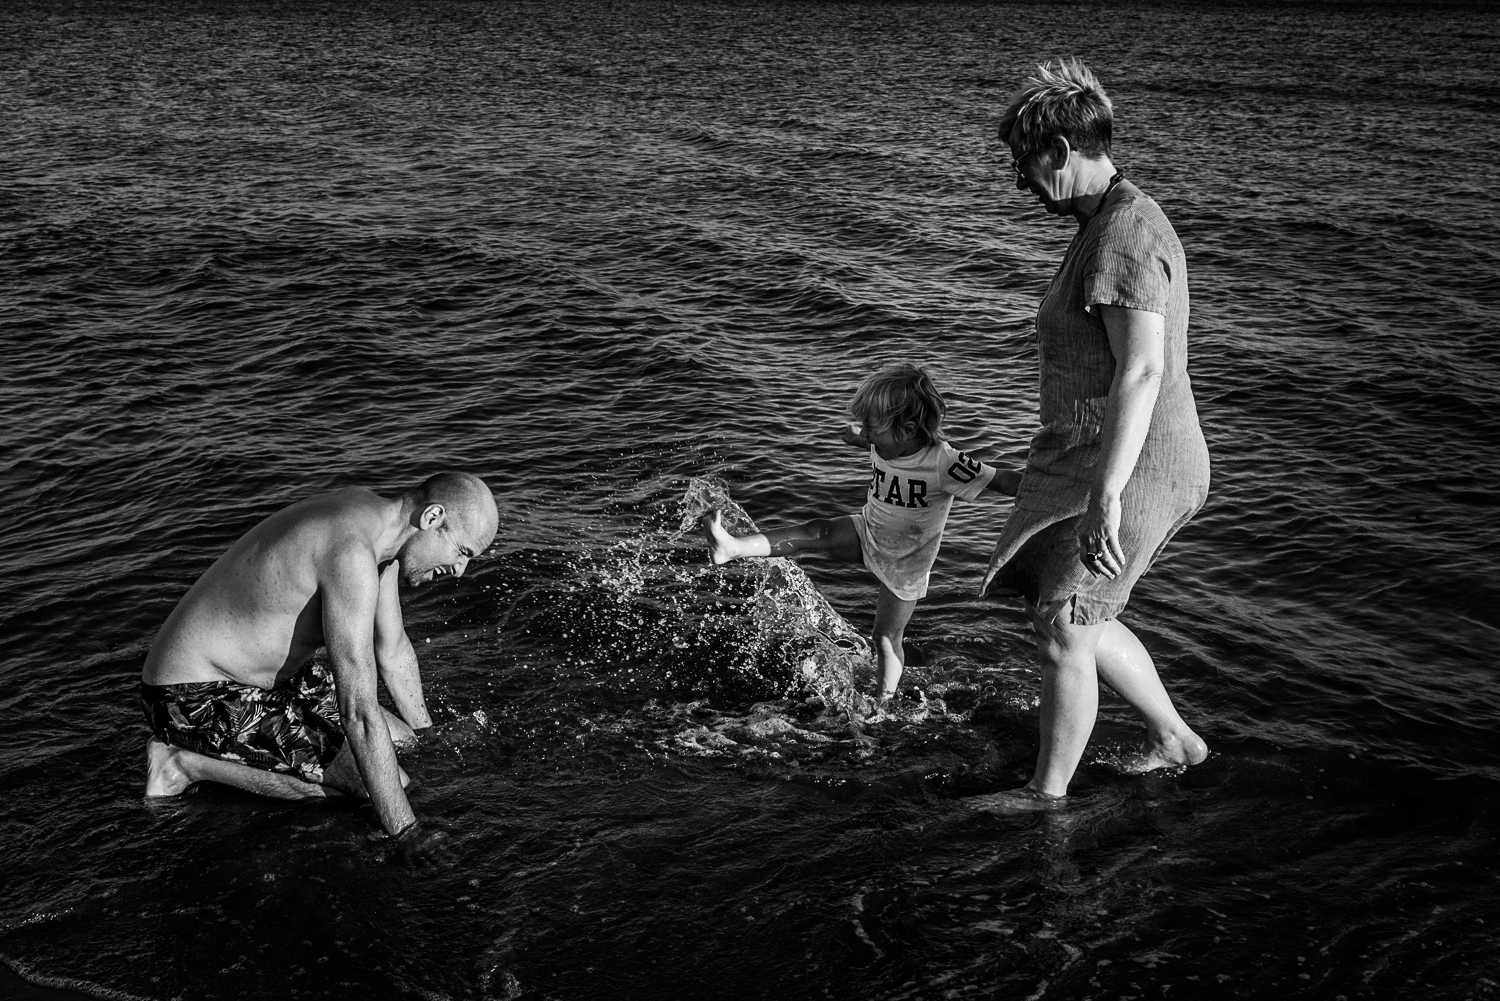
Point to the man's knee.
(401, 734)
(342, 773)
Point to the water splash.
(645, 646)
(787, 611)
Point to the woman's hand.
(1099, 536)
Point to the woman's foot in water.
(1168, 750)
(164, 774)
(1022, 800)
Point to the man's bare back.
(322, 572)
(257, 613)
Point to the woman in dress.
(1119, 464)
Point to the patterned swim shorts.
(291, 728)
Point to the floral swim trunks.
(292, 728)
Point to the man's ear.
(432, 516)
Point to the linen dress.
(1126, 255)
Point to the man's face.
(441, 551)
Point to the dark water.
(620, 258)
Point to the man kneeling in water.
(229, 688)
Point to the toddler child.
(914, 476)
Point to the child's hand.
(851, 436)
(1005, 481)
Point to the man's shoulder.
(343, 551)
(349, 511)
(346, 504)
(325, 532)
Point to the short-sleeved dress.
(1126, 255)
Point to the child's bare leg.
(835, 536)
(891, 616)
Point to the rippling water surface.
(625, 260)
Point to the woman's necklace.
(1119, 176)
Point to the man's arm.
(351, 595)
(394, 654)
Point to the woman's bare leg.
(1070, 701)
(1125, 665)
(1074, 659)
(835, 536)
(891, 616)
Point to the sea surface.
(627, 261)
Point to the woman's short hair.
(1063, 99)
(899, 395)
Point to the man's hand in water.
(419, 845)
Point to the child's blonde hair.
(899, 395)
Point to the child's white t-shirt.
(906, 508)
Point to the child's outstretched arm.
(1005, 481)
(852, 437)
(1001, 480)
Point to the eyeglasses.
(1016, 161)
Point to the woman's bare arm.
(1138, 340)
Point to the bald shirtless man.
(229, 688)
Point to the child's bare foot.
(1166, 751)
(164, 775)
(722, 547)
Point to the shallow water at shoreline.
(622, 260)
